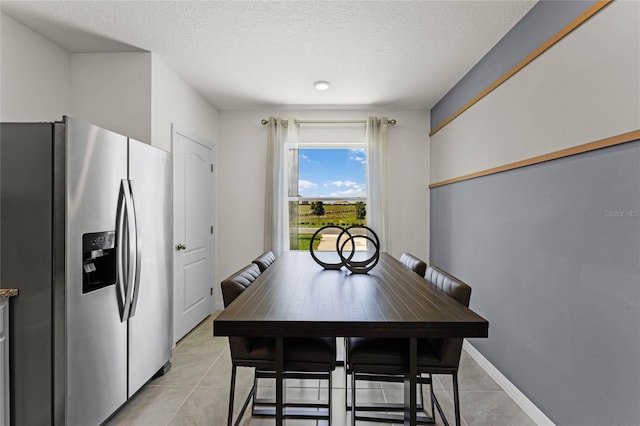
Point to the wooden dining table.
(295, 297)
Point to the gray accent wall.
(543, 21)
(552, 252)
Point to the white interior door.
(192, 231)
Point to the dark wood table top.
(295, 297)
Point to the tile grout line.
(180, 406)
(194, 386)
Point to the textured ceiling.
(248, 54)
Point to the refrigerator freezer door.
(150, 324)
(96, 355)
(26, 262)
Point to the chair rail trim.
(579, 149)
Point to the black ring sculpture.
(356, 267)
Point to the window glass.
(330, 189)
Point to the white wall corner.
(113, 90)
(35, 76)
(173, 100)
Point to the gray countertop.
(8, 292)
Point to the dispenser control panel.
(98, 241)
(98, 260)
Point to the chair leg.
(456, 398)
(353, 398)
(250, 396)
(456, 401)
(421, 394)
(346, 373)
(330, 392)
(346, 391)
(254, 392)
(231, 392)
(434, 400)
(432, 396)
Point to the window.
(326, 187)
(289, 188)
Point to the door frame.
(178, 130)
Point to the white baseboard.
(521, 399)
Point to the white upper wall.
(35, 75)
(585, 88)
(174, 101)
(134, 94)
(113, 90)
(242, 175)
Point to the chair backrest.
(449, 284)
(416, 265)
(448, 350)
(265, 260)
(232, 287)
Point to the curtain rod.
(391, 121)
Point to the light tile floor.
(196, 390)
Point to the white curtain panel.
(377, 172)
(282, 136)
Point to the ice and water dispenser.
(98, 260)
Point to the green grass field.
(336, 214)
(305, 239)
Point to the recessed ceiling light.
(321, 85)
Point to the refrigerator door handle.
(121, 285)
(138, 256)
(131, 251)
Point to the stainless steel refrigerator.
(86, 237)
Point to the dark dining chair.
(265, 260)
(303, 357)
(419, 267)
(416, 265)
(386, 359)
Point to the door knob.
(181, 247)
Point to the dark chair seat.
(388, 355)
(301, 351)
(387, 359)
(310, 351)
(312, 357)
(256, 350)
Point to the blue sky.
(332, 172)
